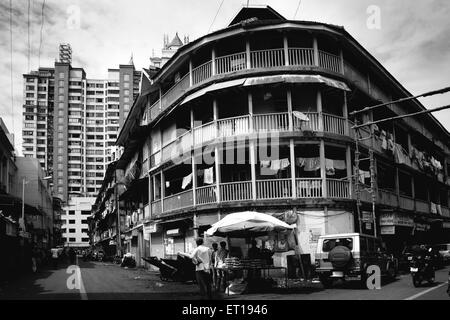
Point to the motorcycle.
(421, 268)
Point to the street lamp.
(22, 220)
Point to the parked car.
(444, 252)
(347, 256)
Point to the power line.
(217, 14)
(11, 56)
(42, 27)
(402, 116)
(423, 95)
(298, 6)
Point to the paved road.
(108, 281)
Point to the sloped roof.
(176, 41)
(260, 13)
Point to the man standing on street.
(201, 257)
(55, 257)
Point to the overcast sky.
(412, 43)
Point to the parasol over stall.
(250, 223)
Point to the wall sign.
(387, 230)
(395, 219)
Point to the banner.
(395, 219)
(387, 230)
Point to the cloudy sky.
(412, 41)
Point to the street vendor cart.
(250, 224)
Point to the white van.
(347, 256)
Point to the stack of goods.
(233, 263)
(254, 263)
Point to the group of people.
(209, 264)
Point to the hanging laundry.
(439, 209)
(275, 165)
(265, 163)
(284, 163)
(300, 162)
(300, 116)
(390, 143)
(167, 184)
(433, 207)
(186, 181)
(208, 177)
(340, 165)
(312, 164)
(383, 140)
(399, 156)
(329, 167)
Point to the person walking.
(213, 265)
(201, 257)
(221, 255)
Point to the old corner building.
(261, 82)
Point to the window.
(126, 77)
(84, 221)
(72, 240)
(85, 239)
(72, 230)
(85, 212)
(71, 221)
(85, 230)
(329, 244)
(71, 212)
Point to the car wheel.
(326, 282)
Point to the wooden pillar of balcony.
(213, 61)
(195, 225)
(319, 109)
(409, 145)
(292, 156)
(190, 73)
(323, 172)
(191, 114)
(216, 150)
(160, 100)
(348, 161)
(345, 113)
(286, 49)
(247, 53)
(150, 193)
(194, 179)
(253, 167)
(163, 185)
(397, 186)
(252, 148)
(316, 51)
(341, 60)
(289, 105)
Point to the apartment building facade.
(75, 228)
(257, 116)
(70, 122)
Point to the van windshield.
(329, 244)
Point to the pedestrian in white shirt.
(201, 257)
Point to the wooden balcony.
(422, 206)
(271, 122)
(338, 189)
(309, 188)
(406, 203)
(388, 198)
(274, 189)
(178, 201)
(236, 191)
(259, 59)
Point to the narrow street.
(110, 281)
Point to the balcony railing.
(270, 58)
(267, 58)
(178, 201)
(422, 206)
(301, 56)
(235, 191)
(274, 189)
(338, 189)
(406, 203)
(206, 195)
(334, 124)
(388, 198)
(231, 63)
(201, 73)
(156, 207)
(233, 126)
(329, 61)
(309, 188)
(312, 125)
(204, 133)
(271, 122)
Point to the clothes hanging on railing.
(300, 116)
(400, 155)
(383, 140)
(186, 181)
(439, 209)
(312, 164)
(363, 175)
(433, 208)
(265, 163)
(390, 143)
(284, 163)
(329, 167)
(208, 177)
(275, 165)
(340, 165)
(167, 184)
(300, 162)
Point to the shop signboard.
(422, 227)
(395, 219)
(446, 225)
(151, 228)
(387, 230)
(173, 232)
(366, 216)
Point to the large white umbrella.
(247, 223)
